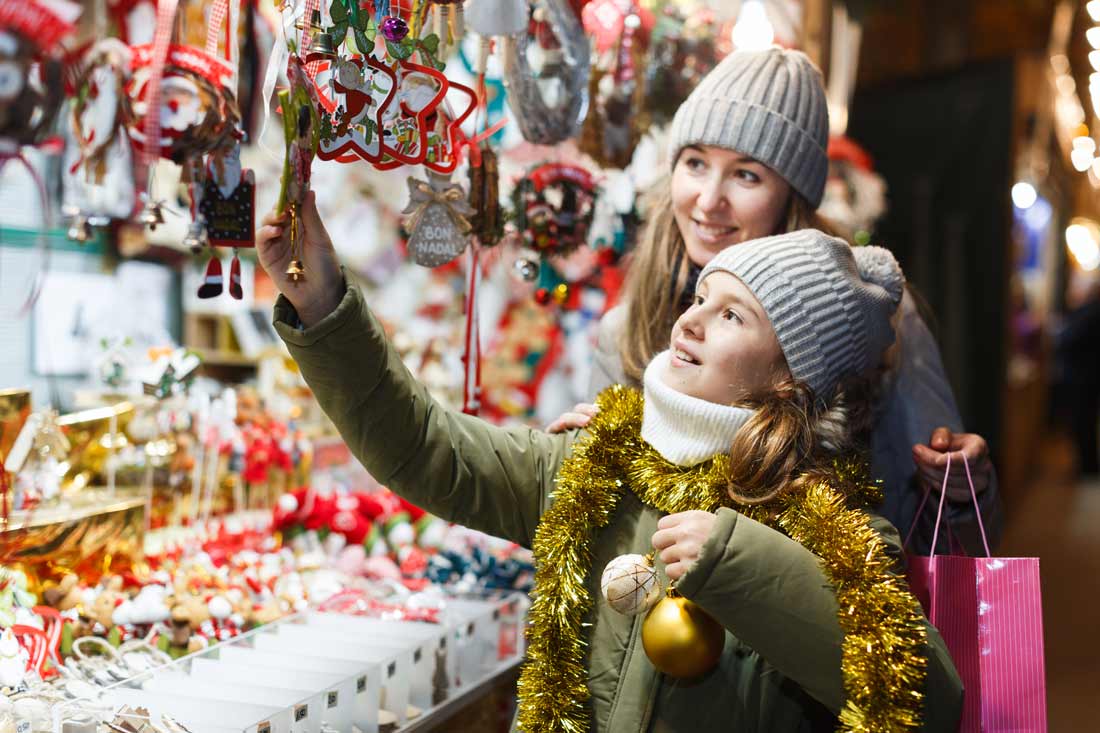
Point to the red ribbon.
(471, 383)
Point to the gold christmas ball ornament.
(629, 583)
(680, 638)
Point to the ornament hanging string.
(307, 37)
(471, 384)
(276, 64)
(162, 39)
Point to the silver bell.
(526, 269)
(151, 216)
(196, 237)
(80, 229)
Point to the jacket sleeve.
(773, 595)
(453, 465)
(916, 400)
(607, 363)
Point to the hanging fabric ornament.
(228, 205)
(543, 120)
(212, 282)
(680, 638)
(629, 584)
(438, 226)
(100, 107)
(101, 154)
(228, 208)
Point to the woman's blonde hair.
(658, 276)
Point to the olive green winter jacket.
(780, 670)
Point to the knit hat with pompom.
(830, 304)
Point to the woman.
(742, 432)
(748, 152)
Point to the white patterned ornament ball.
(629, 584)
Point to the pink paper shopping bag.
(989, 612)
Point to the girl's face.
(723, 347)
(720, 197)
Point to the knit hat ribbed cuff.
(761, 133)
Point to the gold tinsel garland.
(883, 657)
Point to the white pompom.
(878, 265)
(629, 583)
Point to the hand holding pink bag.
(989, 612)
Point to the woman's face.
(723, 347)
(720, 197)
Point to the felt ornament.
(438, 226)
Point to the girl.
(753, 508)
(748, 152)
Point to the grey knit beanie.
(769, 105)
(830, 304)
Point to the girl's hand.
(320, 291)
(931, 460)
(679, 539)
(579, 417)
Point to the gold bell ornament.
(680, 638)
(629, 584)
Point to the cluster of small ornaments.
(679, 637)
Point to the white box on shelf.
(239, 717)
(307, 705)
(421, 647)
(341, 709)
(476, 636)
(394, 685)
(427, 641)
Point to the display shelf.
(99, 534)
(470, 694)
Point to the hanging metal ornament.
(196, 235)
(526, 268)
(550, 105)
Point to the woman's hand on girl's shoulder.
(679, 540)
(579, 417)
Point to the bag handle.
(939, 511)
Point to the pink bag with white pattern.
(989, 612)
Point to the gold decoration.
(680, 638)
(883, 662)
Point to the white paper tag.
(23, 726)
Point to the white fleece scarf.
(685, 430)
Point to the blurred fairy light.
(1024, 195)
(753, 31)
(1083, 243)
